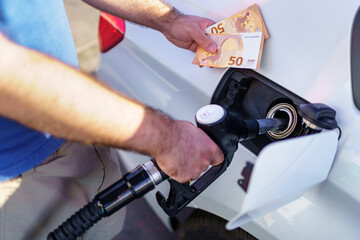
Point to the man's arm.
(52, 97)
(182, 30)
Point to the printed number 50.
(218, 29)
(233, 60)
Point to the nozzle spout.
(272, 124)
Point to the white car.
(302, 186)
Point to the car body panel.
(308, 53)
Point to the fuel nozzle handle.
(225, 128)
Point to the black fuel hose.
(133, 185)
(78, 223)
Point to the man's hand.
(187, 152)
(188, 32)
(182, 30)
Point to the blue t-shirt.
(41, 25)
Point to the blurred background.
(84, 22)
(141, 222)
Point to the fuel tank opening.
(283, 111)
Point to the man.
(44, 179)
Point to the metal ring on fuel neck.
(278, 111)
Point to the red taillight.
(111, 31)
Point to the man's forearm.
(52, 97)
(49, 96)
(184, 31)
(155, 14)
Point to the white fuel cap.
(210, 114)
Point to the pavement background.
(84, 22)
(141, 222)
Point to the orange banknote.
(247, 20)
(234, 50)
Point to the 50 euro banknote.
(234, 50)
(247, 20)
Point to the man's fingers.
(206, 22)
(193, 47)
(218, 157)
(200, 38)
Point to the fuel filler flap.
(283, 171)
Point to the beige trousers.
(35, 204)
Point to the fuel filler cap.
(318, 116)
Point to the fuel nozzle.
(227, 128)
